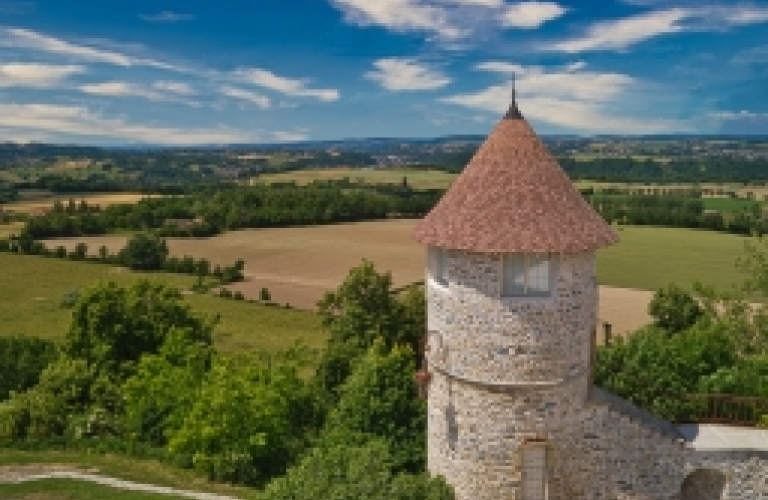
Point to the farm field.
(31, 289)
(27, 204)
(299, 264)
(9, 229)
(417, 178)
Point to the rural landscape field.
(383, 250)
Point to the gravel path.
(25, 473)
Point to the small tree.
(674, 310)
(265, 295)
(144, 252)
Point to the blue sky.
(205, 72)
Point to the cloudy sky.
(237, 71)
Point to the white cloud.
(26, 39)
(128, 89)
(500, 67)
(167, 17)
(36, 75)
(80, 121)
(624, 32)
(743, 15)
(289, 86)
(621, 33)
(738, 115)
(531, 14)
(121, 89)
(576, 66)
(584, 101)
(448, 20)
(180, 88)
(259, 100)
(289, 136)
(398, 74)
(400, 15)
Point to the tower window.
(527, 275)
(437, 268)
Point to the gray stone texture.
(506, 370)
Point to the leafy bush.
(238, 428)
(674, 310)
(22, 360)
(656, 372)
(144, 252)
(112, 326)
(354, 472)
(380, 399)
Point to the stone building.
(512, 310)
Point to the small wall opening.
(535, 473)
(703, 484)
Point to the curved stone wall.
(485, 337)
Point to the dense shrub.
(22, 360)
(355, 471)
(144, 252)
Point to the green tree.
(674, 310)
(380, 399)
(22, 360)
(112, 326)
(354, 472)
(239, 426)
(144, 252)
(163, 389)
(363, 308)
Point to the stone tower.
(512, 307)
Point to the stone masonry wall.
(506, 370)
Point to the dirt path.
(25, 473)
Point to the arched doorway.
(703, 484)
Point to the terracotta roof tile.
(514, 197)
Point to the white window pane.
(538, 274)
(514, 274)
(437, 264)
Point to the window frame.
(551, 260)
(436, 263)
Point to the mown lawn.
(70, 489)
(31, 289)
(648, 258)
(120, 467)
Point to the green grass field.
(648, 258)
(417, 178)
(31, 288)
(122, 467)
(70, 489)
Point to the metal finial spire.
(513, 112)
(513, 87)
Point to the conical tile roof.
(513, 197)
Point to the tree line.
(211, 211)
(142, 252)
